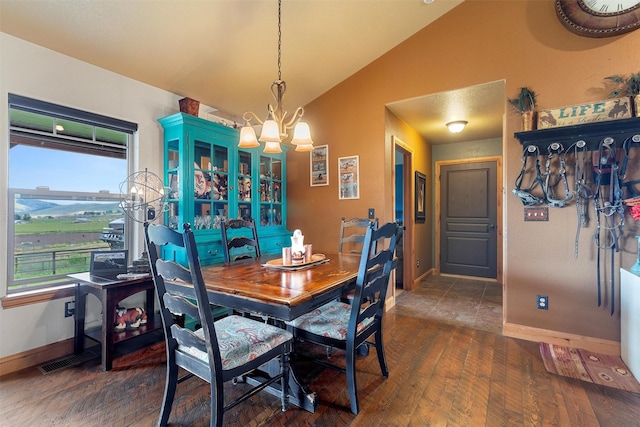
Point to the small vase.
(528, 120)
(635, 268)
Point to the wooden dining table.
(261, 286)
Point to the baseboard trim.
(425, 275)
(36, 356)
(529, 333)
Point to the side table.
(110, 293)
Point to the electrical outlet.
(542, 302)
(372, 213)
(69, 308)
(417, 263)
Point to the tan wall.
(477, 42)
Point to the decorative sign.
(599, 111)
(349, 177)
(319, 165)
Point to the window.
(65, 169)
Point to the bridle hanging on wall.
(525, 195)
(609, 210)
(582, 192)
(556, 151)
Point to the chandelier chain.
(279, 40)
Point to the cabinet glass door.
(244, 185)
(210, 185)
(171, 180)
(270, 191)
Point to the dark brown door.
(468, 204)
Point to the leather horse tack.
(525, 195)
(582, 191)
(609, 209)
(628, 185)
(609, 166)
(556, 151)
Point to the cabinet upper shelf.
(591, 133)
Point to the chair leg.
(217, 403)
(284, 382)
(329, 350)
(381, 357)
(170, 385)
(351, 379)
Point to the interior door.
(468, 219)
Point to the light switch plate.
(536, 214)
(372, 213)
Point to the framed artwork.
(349, 177)
(319, 158)
(421, 197)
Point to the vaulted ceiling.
(224, 52)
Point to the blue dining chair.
(340, 325)
(239, 239)
(219, 351)
(352, 233)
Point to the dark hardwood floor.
(449, 366)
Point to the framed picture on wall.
(421, 197)
(319, 158)
(349, 177)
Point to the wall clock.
(599, 18)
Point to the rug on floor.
(603, 369)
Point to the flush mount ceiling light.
(276, 125)
(457, 126)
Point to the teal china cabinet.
(210, 179)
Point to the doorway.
(403, 213)
(468, 221)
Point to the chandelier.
(276, 125)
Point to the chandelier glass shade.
(277, 124)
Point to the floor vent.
(68, 361)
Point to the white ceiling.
(224, 52)
(482, 106)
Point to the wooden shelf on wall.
(591, 133)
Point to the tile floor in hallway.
(458, 301)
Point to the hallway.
(464, 302)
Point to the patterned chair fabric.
(331, 320)
(243, 340)
(218, 352)
(344, 326)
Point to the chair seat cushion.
(331, 320)
(240, 340)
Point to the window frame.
(91, 146)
